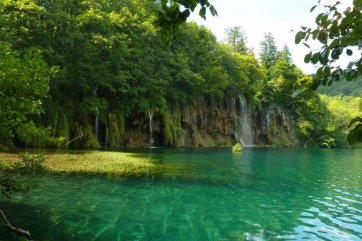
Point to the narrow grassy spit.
(95, 162)
(117, 165)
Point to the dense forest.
(352, 88)
(100, 66)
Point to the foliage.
(237, 147)
(312, 122)
(355, 135)
(34, 136)
(107, 74)
(24, 81)
(343, 87)
(171, 14)
(343, 109)
(236, 38)
(9, 174)
(338, 32)
(268, 52)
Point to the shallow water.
(206, 194)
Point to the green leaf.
(315, 58)
(202, 13)
(315, 84)
(299, 36)
(324, 56)
(322, 37)
(335, 54)
(312, 9)
(324, 19)
(320, 72)
(213, 10)
(315, 34)
(327, 71)
(307, 58)
(349, 52)
(318, 18)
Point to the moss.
(89, 140)
(167, 132)
(63, 126)
(237, 147)
(52, 115)
(114, 132)
(121, 119)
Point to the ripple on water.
(257, 195)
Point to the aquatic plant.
(237, 147)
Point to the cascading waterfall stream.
(150, 124)
(236, 123)
(243, 123)
(96, 118)
(96, 123)
(106, 138)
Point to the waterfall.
(96, 123)
(96, 118)
(236, 122)
(150, 124)
(243, 124)
(106, 139)
(267, 120)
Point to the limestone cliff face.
(208, 123)
(274, 127)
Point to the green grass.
(117, 165)
(94, 162)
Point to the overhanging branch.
(13, 229)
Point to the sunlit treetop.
(171, 13)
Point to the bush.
(237, 147)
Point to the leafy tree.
(24, 82)
(350, 88)
(284, 76)
(268, 52)
(342, 109)
(313, 117)
(338, 32)
(236, 38)
(171, 13)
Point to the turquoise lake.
(259, 194)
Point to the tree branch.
(13, 229)
(8, 225)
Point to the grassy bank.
(120, 164)
(91, 162)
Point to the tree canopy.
(236, 38)
(172, 13)
(87, 65)
(339, 32)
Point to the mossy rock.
(237, 147)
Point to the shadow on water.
(35, 218)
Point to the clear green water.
(260, 194)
